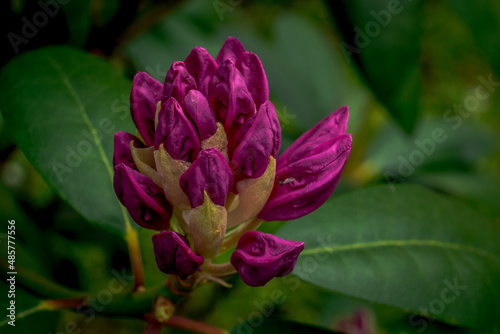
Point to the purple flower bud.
(146, 92)
(122, 153)
(209, 172)
(143, 199)
(176, 132)
(229, 96)
(202, 67)
(178, 82)
(252, 70)
(196, 107)
(232, 49)
(330, 127)
(309, 170)
(259, 257)
(173, 255)
(258, 139)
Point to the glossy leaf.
(61, 107)
(409, 248)
(383, 38)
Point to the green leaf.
(435, 146)
(61, 107)
(410, 248)
(483, 22)
(384, 37)
(262, 326)
(78, 18)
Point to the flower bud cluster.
(206, 150)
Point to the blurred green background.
(404, 68)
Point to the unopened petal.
(122, 153)
(196, 107)
(202, 67)
(178, 82)
(173, 255)
(143, 199)
(327, 129)
(176, 132)
(312, 180)
(232, 49)
(252, 70)
(257, 143)
(209, 172)
(229, 96)
(146, 92)
(259, 257)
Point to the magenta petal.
(178, 82)
(232, 49)
(202, 67)
(229, 96)
(173, 255)
(330, 127)
(257, 143)
(196, 107)
(176, 132)
(255, 78)
(259, 257)
(310, 181)
(143, 199)
(146, 92)
(209, 172)
(122, 153)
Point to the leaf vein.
(402, 243)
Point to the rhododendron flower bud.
(176, 132)
(122, 152)
(143, 199)
(259, 257)
(206, 153)
(211, 173)
(146, 92)
(178, 82)
(229, 96)
(197, 109)
(258, 140)
(173, 255)
(309, 170)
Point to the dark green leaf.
(62, 107)
(484, 23)
(262, 325)
(409, 248)
(384, 38)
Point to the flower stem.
(134, 250)
(232, 240)
(219, 270)
(193, 325)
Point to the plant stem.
(236, 235)
(41, 285)
(47, 305)
(193, 325)
(134, 250)
(219, 270)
